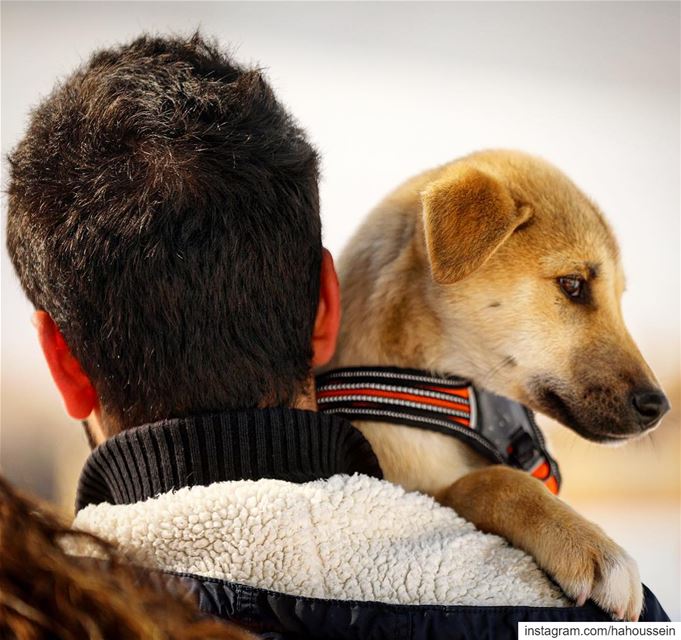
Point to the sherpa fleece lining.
(347, 537)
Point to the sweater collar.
(277, 443)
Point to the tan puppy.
(498, 269)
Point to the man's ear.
(467, 215)
(80, 397)
(327, 322)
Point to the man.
(164, 221)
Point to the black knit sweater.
(278, 443)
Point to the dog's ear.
(467, 215)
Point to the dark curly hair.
(164, 210)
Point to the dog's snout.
(650, 405)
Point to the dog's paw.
(591, 566)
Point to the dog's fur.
(457, 272)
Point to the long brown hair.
(46, 593)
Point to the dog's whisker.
(489, 375)
(573, 440)
(491, 372)
(651, 441)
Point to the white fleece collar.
(348, 538)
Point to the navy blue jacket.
(286, 617)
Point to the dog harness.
(500, 429)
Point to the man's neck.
(99, 426)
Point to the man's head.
(164, 221)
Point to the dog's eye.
(574, 287)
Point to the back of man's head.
(163, 209)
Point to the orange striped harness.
(498, 428)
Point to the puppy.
(496, 268)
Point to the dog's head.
(528, 274)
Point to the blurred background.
(389, 89)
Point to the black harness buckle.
(522, 450)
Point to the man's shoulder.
(347, 557)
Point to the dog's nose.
(650, 406)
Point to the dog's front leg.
(575, 552)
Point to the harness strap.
(500, 429)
